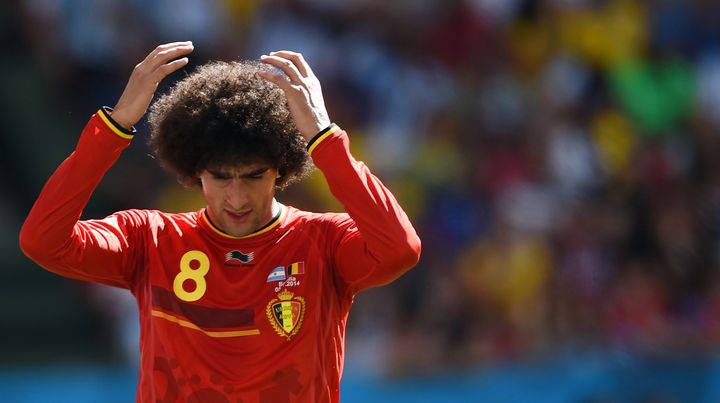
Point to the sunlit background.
(559, 159)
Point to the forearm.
(50, 227)
(390, 239)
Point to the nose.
(236, 196)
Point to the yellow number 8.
(197, 276)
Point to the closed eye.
(220, 175)
(256, 174)
(252, 175)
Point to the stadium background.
(559, 159)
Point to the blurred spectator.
(558, 156)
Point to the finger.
(297, 59)
(167, 69)
(163, 47)
(277, 79)
(168, 54)
(286, 65)
(171, 45)
(167, 51)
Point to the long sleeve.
(378, 244)
(53, 235)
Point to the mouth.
(238, 216)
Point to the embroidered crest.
(286, 313)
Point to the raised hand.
(302, 90)
(144, 80)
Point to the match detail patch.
(281, 273)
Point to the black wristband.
(106, 111)
(321, 135)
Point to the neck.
(275, 209)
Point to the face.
(240, 198)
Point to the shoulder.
(325, 221)
(156, 219)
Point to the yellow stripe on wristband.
(322, 136)
(113, 126)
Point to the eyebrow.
(225, 174)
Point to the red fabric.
(231, 332)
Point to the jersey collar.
(274, 223)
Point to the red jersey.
(258, 318)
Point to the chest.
(195, 267)
(225, 289)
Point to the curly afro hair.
(224, 115)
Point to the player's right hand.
(144, 80)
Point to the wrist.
(320, 136)
(106, 113)
(120, 118)
(320, 122)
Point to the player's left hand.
(302, 90)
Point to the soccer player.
(247, 299)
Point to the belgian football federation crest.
(286, 313)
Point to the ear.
(190, 181)
(198, 180)
(279, 179)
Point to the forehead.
(238, 169)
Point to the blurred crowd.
(558, 157)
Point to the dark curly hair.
(223, 114)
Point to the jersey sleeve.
(53, 234)
(377, 243)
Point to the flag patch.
(277, 274)
(296, 268)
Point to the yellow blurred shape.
(615, 142)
